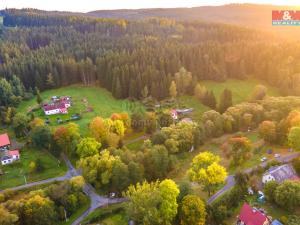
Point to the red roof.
(13, 152)
(251, 216)
(295, 178)
(54, 106)
(4, 140)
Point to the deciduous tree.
(287, 195)
(294, 138)
(40, 211)
(206, 171)
(192, 211)
(67, 137)
(267, 131)
(88, 147)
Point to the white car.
(277, 155)
(263, 159)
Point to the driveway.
(230, 182)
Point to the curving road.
(230, 182)
(97, 201)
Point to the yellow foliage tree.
(207, 172)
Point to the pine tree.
(210, 100)
(200, 91)
(225, 100)
(145, 92)
(50, 80)
(118, 89)
(39, 99)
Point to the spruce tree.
(225, 100)
(39, 99)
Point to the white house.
(10, 157)
(53, 109)
(57, 106)
(280, 174)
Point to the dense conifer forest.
(47, 50)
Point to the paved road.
(230, 179)
(97, 201)
(144, 137)
(67, 176)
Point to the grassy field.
(15, 173)
(102, 102)
(192, 102)
(241, 89)
(111, 215)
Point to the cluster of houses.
(253, 216)
(7, 156)
(57, 105)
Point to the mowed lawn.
(99, 99)
(15, 173)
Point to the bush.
(269, 190)
(32, 167)
(158, 138)
(296, 165)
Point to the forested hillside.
(255, 16)
(47, 50)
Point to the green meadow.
(98, 99)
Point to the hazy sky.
(90, 5)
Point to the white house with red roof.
(57, 106)
(252, 216)
(4, 142)
(10, 157)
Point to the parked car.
(277, 155)
(263, 159)
(270, 151)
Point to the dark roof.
(251, 216)
(5, 157)
(4, 140)
(282, 173)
